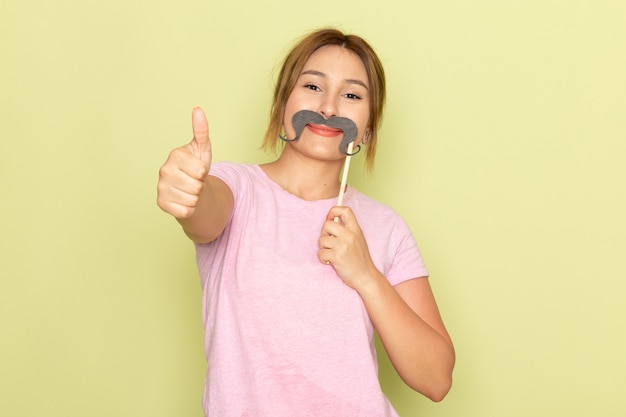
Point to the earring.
(366, 138)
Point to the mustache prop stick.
(305, 117)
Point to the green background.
(503, 146)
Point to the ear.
(366, 137)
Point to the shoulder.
(392, 244)
(376, 212)
(235, 175)
(224, 168)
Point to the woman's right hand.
(181, 178)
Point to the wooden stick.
(344, 177)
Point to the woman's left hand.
(343, 246)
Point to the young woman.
(294, 285)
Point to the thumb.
(201, 144)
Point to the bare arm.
(406, 316)
(202, 204)
(407, 320)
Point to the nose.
(328, 107)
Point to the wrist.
(373, 284)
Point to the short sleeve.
(406, 258)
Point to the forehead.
(336, 61)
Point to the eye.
(312, 87)
(353, 96)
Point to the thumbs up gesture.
(200, 144)
(181, 178)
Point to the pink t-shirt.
(284, 336)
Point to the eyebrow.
(349, 80)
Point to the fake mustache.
(305, 117)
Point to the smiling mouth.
(324, 130)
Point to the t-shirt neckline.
(264, 177)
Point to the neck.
(306, 178)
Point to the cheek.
(362, 123)
(292, 106)
(287, 115)
(287, 125)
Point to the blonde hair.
(292, 67)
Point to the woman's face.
(333, 82)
